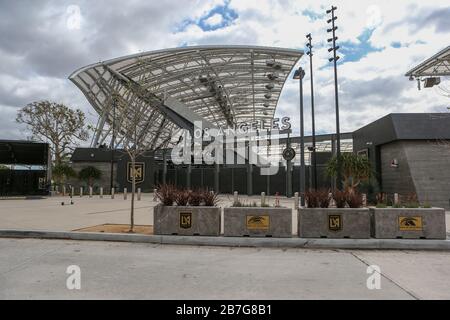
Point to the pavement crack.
(387, 277)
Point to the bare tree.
(56, 123)
(131, 122)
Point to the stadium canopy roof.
(224, 85)
(437, 65)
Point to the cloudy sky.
(42, 42)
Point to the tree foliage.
(89, 174)
(56, 123)
(354, 169)
(61, 172)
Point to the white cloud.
(38, 56)
(215, 20)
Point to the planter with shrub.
(253, 220)
(347, 220)
(407, 219)
(186, 212)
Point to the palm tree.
(354, 170)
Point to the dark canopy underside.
(23, 152)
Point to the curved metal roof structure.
(437, 65)
(224, 85)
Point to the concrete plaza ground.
(36, 269)
(48, 213)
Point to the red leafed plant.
(340, 198)
(354, 199)
(196, 197)
(317, 199)
(182, 197)
(166, 194)
(210, 198)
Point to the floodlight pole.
(313, 126)
(112, 144)
(334, 48)
(300, 74)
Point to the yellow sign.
(410, 223)
(334, 222)
(138, 172)
(185, 220)
(258, 222)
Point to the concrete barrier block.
(334, 223)
(408, 223)
(186, 221)
(257, 222)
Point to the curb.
(390, 244)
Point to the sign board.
(288, 154)
(139, 172)
(335, 222)
(185, 220)
(410, 223)
(258, 222)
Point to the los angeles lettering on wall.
(138, 172)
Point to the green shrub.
(89, 174)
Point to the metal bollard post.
(101, 192)
(81, 192)
(364, 199)
(139, 194)
(263, 199)
(395, 198)
(90, 192)
(296, 201)
(72, 192)
(235, 197)
(112, 193)
(124, 193)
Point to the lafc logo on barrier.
(185, 220)
(335, 222)
(258, 222)
(138, 172)
(410, 223)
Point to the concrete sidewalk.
(36, 269)
(295, 242)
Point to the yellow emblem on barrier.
(410, 223)
(185, 220)
(335, 222)
(258, 222)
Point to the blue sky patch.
(355, 51)
(227, 14)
